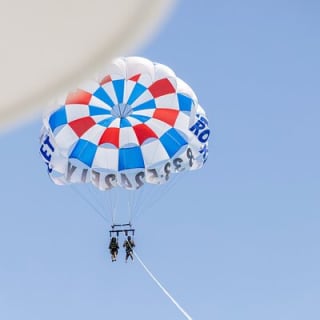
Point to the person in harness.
(129, 245)
(113, 247)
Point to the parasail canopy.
(138, 123)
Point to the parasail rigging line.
(165, 291)
(89, 203)
(150, 198)
(130, 211)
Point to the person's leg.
(113, 255)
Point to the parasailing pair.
(138, 124)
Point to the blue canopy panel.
(98, 111)
(84, 151)
(172, 141)
(137, 91)
(102, 95)
(118, 86)
(185, 103)
(150, 104)
(130, 158)
(58, 118)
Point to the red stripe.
(110, 135)
(168, 116)
(80, 126)
(143, 132)
(79, 97)
(161, 87)
(135, 77)
(105, 80)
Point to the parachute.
(137, 124)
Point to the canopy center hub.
(121, 110)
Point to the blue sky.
(238, 239)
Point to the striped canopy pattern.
(137, 117)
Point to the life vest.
(129, 245)
(113, 245)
